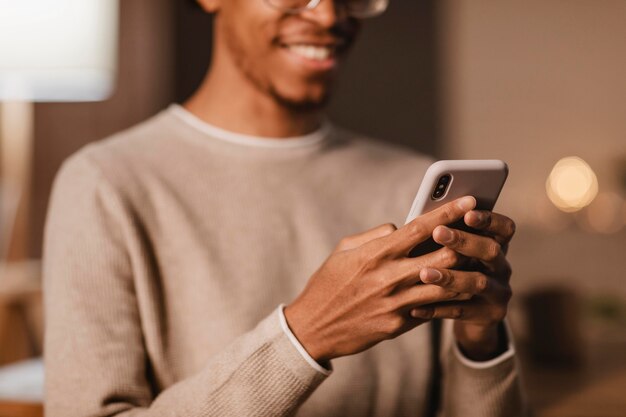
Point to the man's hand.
(365, 290)
(477, 320)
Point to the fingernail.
(422, 313)
(480, 217)
(430, 275)
(445, 235)
(466, 203)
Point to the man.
(170, 247)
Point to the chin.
(303, 99)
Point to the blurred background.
(538, 84)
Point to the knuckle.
(451, 295)
(388, 228)
(344, 243)
(447, 279)
(449, 213)
(450, 257)
(482, 284)
(426, 313)
(394, 325)
(510, 228)
(499, 313)
(493, 251)
(460, 240)
(456, 312)
(487, 216)
(417, 230)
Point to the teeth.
(317, 53)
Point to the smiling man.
(171, 248)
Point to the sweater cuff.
(507, 354)
(294, 341)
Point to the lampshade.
(57, 50)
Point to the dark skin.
(365, 291)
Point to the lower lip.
(311, 64)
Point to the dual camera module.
(441, 187)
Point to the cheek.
(259, 55)
(247, 33)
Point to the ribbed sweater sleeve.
(493, 390)
(96, 360)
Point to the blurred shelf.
(20, 409)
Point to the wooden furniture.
(21, 315)
(20, 409)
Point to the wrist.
(306, 336)
(480, 342)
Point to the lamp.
(50, 51)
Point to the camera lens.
(441, 187)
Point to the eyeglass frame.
(312, 4)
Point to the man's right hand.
(364, 292)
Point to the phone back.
(482, 178)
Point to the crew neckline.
(250, 140)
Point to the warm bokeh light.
(572, 184)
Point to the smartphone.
(448, 180)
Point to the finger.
(469, 282)
(419, 295)
(444, 311)
(421, 228)
(408, 269)
(500, 227)
(354, 241)
(483, 248)
(466, 310)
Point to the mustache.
(341, 33)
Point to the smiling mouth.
(319, 53)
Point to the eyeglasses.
(359, 9)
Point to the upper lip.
(335, 44)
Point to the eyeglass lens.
(356, 8)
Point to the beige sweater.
(168, 249)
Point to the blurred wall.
(389, 87)
(531, 82)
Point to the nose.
(327, 13)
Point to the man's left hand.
(476, 320)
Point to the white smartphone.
(448, 180)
